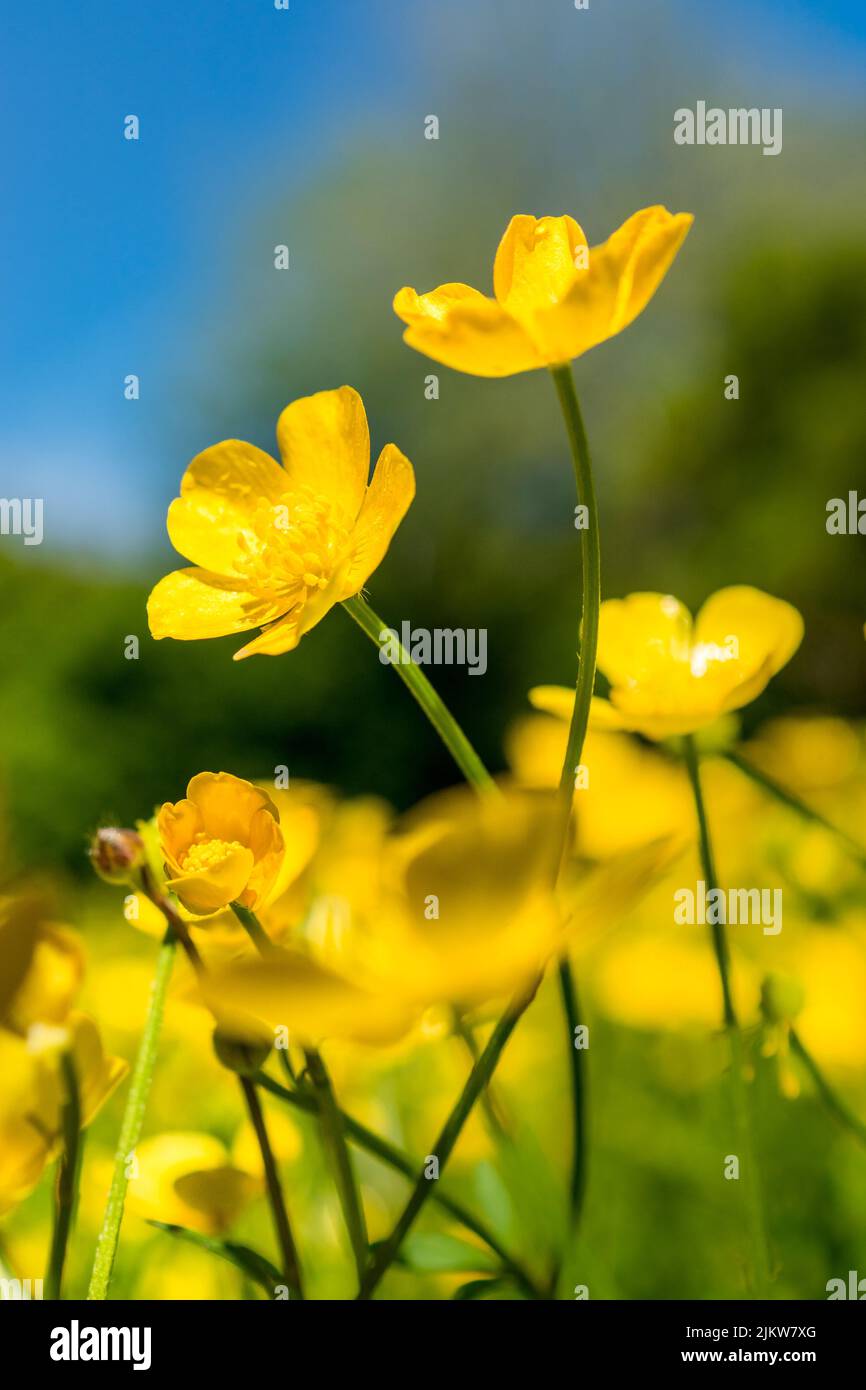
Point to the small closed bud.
(245, 1058)
(116, 855)
(782, 998)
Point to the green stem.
(742, 1117)
(837, 1108)
(590, 606)
(420, 688)
(337, 1150)
(133, 1120)
(285, 1240)
(568, 990)
(395, 1158)
(330, 1119)
(254, 929)
(793, 802)
(67, 1178)
(489, 1103)
(590, 599)
(450, 1133)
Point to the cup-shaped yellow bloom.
(669, 675)
(222, 843)
(554, 298)
(277, 546)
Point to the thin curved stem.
(794, 803)
(836, 1107)
(133, 1120)
(577, 1065)
(450, 1133)
(590, 606)
(330, 1118)
(337, 1150)
(420, 688)
(395, 1158)
(590, 599)
(742, 1116)
(67, 1178)
(285, 1240)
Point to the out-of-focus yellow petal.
(324, 441)
(767, 630)
(54, 978)
(464, 329)
(385, 504)
(220, 492)
(217, 1195)
(641, 637)
(479, 918)
(535, 263)
(295, 993)
(193, 603)
(97, 1073)
(183, 1177)
(19, 923)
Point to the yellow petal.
(210, 889)
(295, 993)
(216, 1195)
(387, 500)
(464, 329)
(282, 636)
(325, 445)
(19, 922)
(621, 278)
(228, 804)
(160, 1162)
(193, 603)
(643, 248)
(486, 866)
(535, 263)
(97, 1074)
(641, 637)
(53, 980)
(767, 630)
(177, 825)
(219, 493)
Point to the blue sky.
(107, 242)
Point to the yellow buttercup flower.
(671, 676)
(276, 547)
(554, 298)
(222, 843)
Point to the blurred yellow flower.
(461, 910)
(628, 794)
(222, 843)
(41, 968)
(276, 547)
(670, 676)
(186, 1179)
(554, 298)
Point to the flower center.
(292, 548)
(205, 853)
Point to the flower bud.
(117, 854)
(245, 1058)
(782, 998)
